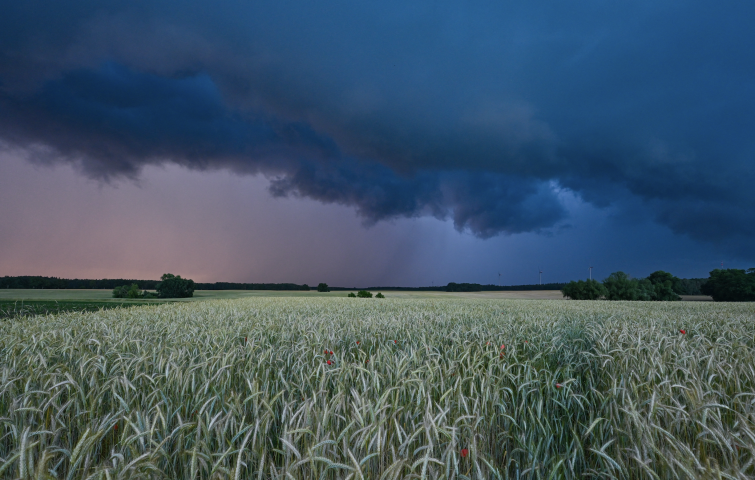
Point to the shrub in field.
(126, 291)
(323, 287)
(731, 285)
(584, 290)
(364, 294)
(351, 294)
(173, 286)
(379, 295)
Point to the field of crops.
(332, 388)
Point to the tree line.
(476, 287)
(110, 283)
(723, 285)
(731, 285)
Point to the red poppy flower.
(503, 346)
(558, 385)
(115, 427)
(367, 361)
(395, 341)
(328, 362)
(682, 331)
(488, 343)
(526, 341)
(357, 342)
(331, 352)
(464, 452)
(245, 339)
(326, 352)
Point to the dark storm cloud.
(474, 112)
(116, 120)
(484, 203)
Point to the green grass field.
(19, 302)
(19, 308)
(414, 388)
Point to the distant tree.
(364, 294)
(351, 295)
(323, 287)
(662, 278)
(731, 285)
(664, 292)
(645, 290)
(584, 290)
(127, 291)
(572, 290)
(691, 286)
(620, 286)
(463, 287)
(173, 286)
(133, 291)
(305, 287)
(379, 295)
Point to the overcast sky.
(376, 143)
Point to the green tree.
(379, 295)
(620, 286)
(665, 292)
(691, 286)
(323, 287)
(645, 290)
(731, 285)
(173, 286)
(364, 294)
(584, 290)
(351, 294)
(662, 278)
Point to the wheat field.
(441, 389)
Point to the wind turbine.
(541, 275)
(499, 279)
(590, 272)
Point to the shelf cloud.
(479, 113)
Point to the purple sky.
(213, 226)
(375, 143)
